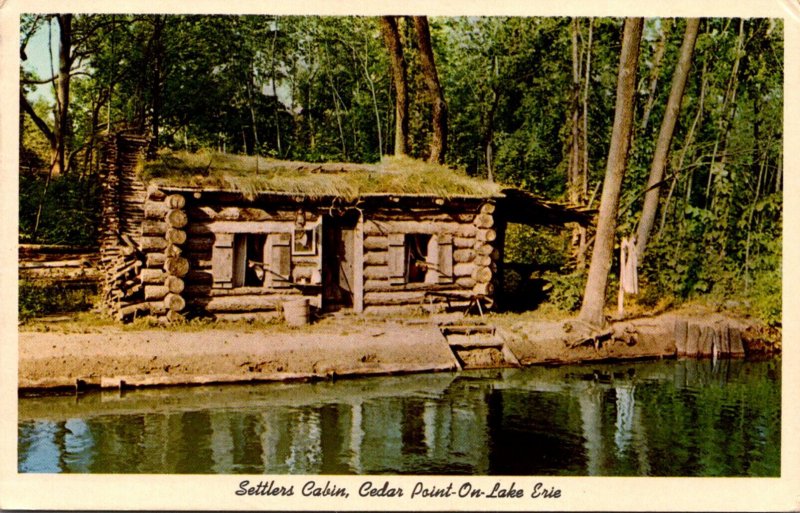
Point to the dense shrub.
(38, 298)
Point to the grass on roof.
(254, 175)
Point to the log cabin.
(229, 236)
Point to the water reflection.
(665, 418)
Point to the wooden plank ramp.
(478, 346)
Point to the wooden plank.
(373, 242)
(155, 292)
(358, 266)
(466, 282)
(244, 303)
(463, 242)
(376, 228)
(465, 269)
(445, 258)
(376, 258)
(155, 210)
(254, 291)
(152, 244)
(222, 260)
(262, 227)
(280, 260)
(680, 331)
(153, 276)
(153, 227)
(461, 256)
(395, 271)
(380, 272)
(155, 260)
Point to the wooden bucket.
(296, 312)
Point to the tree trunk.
(725, 118)
(585, 171)
(157, 84)
(61, 126)
(671, 115)
(274, 90)
(687, 143)
(575, 153)
(602, 253)
(488, 133)
(658, 57)
(391, 37)
(439, 140)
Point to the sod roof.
(252, 176)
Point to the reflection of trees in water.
(591, 403)
(625, 413)
(676, 418)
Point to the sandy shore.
(117, 357)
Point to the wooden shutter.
(239, 259)
(222, 260)
(280, 259)
(397, 259)
(445, 258)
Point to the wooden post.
(358, 266)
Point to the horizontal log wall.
(202, 222)
(474, 258)
(177, 240)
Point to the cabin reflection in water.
(566, 421)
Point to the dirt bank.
(347, 347)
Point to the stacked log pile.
(121, 286)
(122, 200)
(472, 271)
(162, 240)
(69, 266)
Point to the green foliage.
(70, 210)
(567, 290)
(37, 299)
(547, 247)
(318, 89)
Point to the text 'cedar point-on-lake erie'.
(386, 489)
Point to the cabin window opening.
(417, 257)
(250, 259)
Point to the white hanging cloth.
(628, 262)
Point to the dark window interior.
(416, 254)
(255, 266)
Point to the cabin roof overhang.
(513, 205)
(520, 206)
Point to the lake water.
(666, 418)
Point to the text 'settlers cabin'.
(229, 236)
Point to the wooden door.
(338, 258)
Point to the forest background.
(529, 102)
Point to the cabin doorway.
(338, 261)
